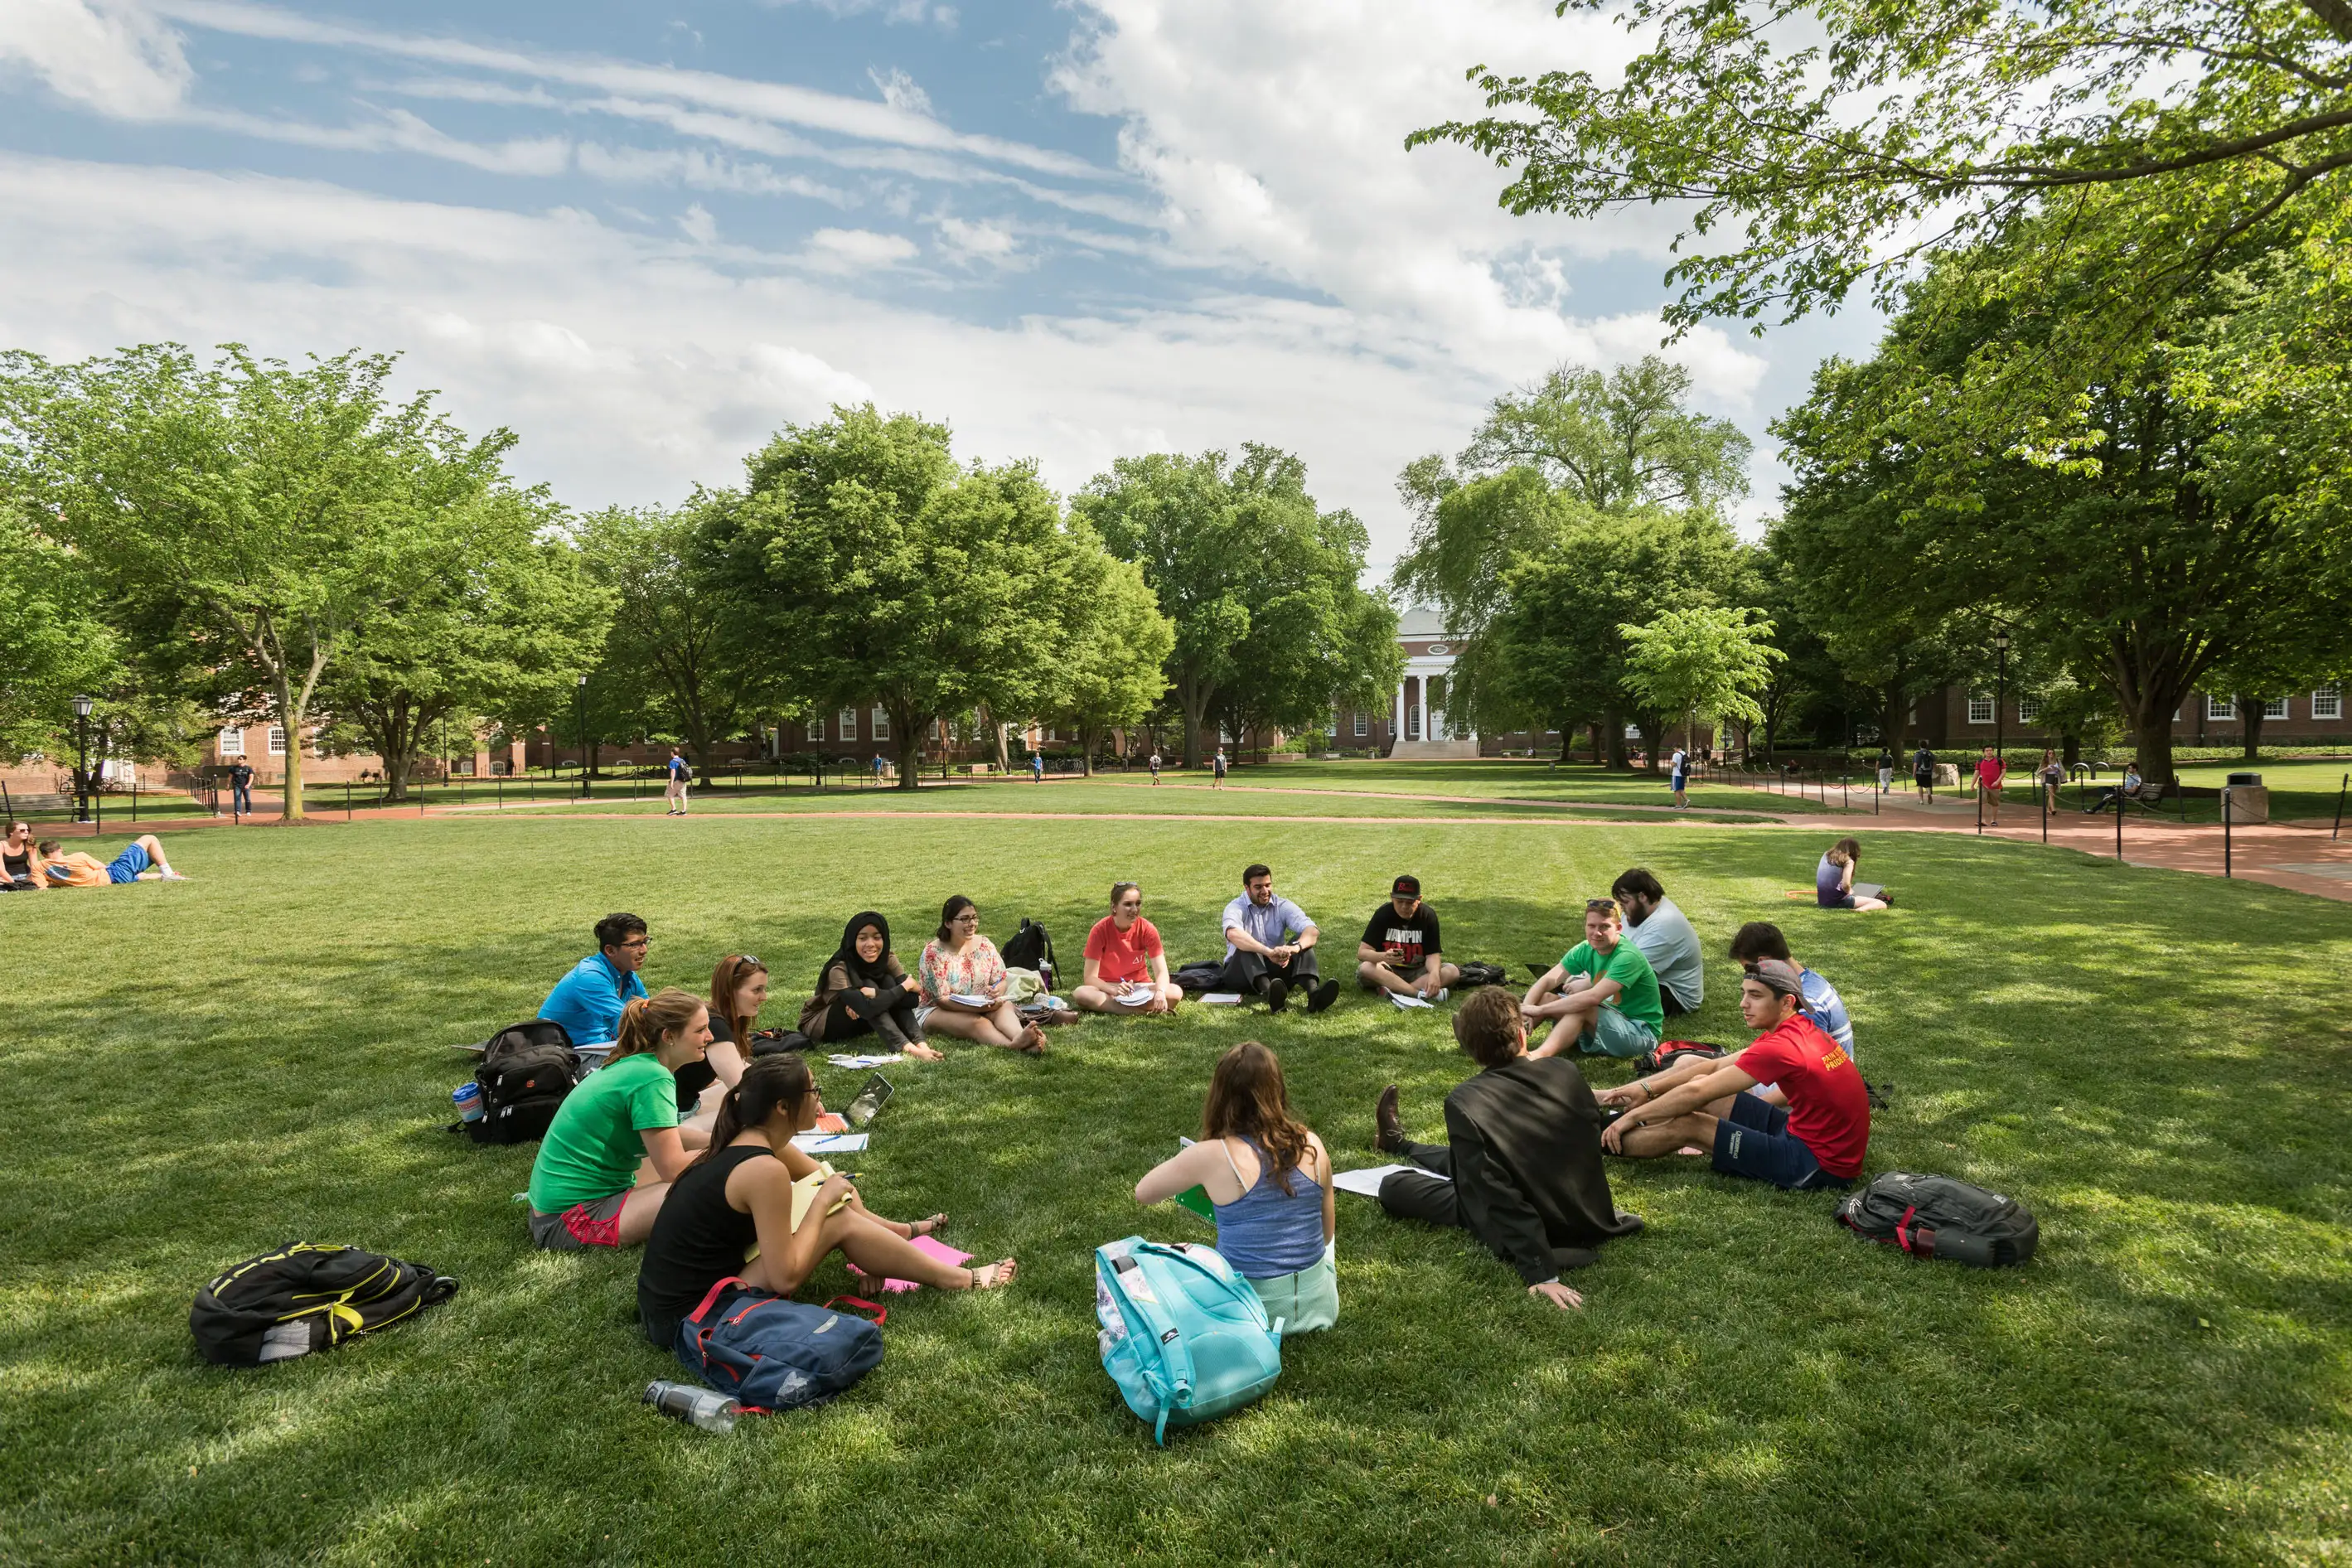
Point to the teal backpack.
(1184, 1336)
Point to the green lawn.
(2159, 1066)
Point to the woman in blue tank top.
(1269, 1180)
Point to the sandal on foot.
(999, 1275)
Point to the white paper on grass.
(1221, 998)
(1367, 1182)
(857, 1063)
(831, 1142)
(1402, 1000)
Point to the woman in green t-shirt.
(583, 1185)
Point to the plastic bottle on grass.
(702, 1408)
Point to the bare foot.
(1033, 1040)
(992, 1276)
(923, 1053)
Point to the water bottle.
(700, 1407)
(468, 1096)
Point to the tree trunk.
(2249, 723)
(1592, 732)
(1612, 727)
(1653, 740)
(2070, 748)
(1567, 739)
(907, 735)
(1086, 739)
(2152, 738)
(1192, 698)
(290, 810)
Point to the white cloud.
(856, 250)
(779, 102)
(698, 225)
(895, 11)
(992, 244)
(900, 92)
(113, 57)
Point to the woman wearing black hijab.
(863, 988)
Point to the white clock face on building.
(1439, 648)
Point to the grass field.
(2158, 1065)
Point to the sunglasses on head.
(1605, 906)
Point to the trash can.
(2245, 779)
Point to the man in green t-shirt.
(1600, 997)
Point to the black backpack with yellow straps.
(307, 1297)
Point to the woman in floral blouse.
(960, 963)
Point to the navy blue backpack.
(769, 1352)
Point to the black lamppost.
(83, 706)
(580, 718)
(2001, 695)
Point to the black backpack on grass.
(1937, 1217)
(1475, 973)
(527, 1070)
(1031, 948)
(307, 1297)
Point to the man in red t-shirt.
(1127, 969)
(1817, 1142)
(1990, 771)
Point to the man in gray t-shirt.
(1665, 937)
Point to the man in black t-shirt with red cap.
(1400, 950)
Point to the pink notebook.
(924, 1243)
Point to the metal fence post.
(2226, 814)
(2119, 825)
(2339, 805)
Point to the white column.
(1396, 728)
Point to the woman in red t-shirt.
(1127, 969)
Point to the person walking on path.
(1990, 771)
(1217, 770)
(240, 789)
(681, 775)
(1680, 778)
(1886, 771)
(1923, 773)
(2050, 776)
(1037, 767)
(1155, 768)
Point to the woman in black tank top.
(745, 1189)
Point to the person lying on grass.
(1818, 1140)
(1760, 940)
(959, 963)
(589, 998)
(863, 989)
(1523, 1151)
(754, 1207)
(586, 1186)
(142, 854)
(1602, 995)
(1124, 959)
(1269, 1180)
(1400, 951)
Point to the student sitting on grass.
(1817, 1142)
(1600, 997)
(588, 1000)
(754, 1207)
(1270, 946)
(1658, 927)
(863, 989)
(1833, 878)
(1399, 951)
(1270, 1181)
(1124, 956)
(1522, 1151)
(143, 853)
(739, 989)
(1760, 940)
(17, 860)
(582, 1184)
(959, 961)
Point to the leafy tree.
(673, 647)
(246, 518)
(1706, 660)
(505, 633)
(2161, 133)
(2198, 525)
(1113, 673)
(53, 642)
(1270, 625)
(868, 566)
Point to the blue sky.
(644, 236)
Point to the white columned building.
(1419, 721)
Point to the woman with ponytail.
(585, 1185)
(1269, 1180)
(752, 1192)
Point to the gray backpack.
(1937, 1217)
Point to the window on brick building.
(232, 742)
(2327, 702)
(2274, 708)
(2026, 710)
(817, 728)
(277, 739)
(1363, 724)
(1980, 710)
(881, 723)
(2220, 708)
(848, 722)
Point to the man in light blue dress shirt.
(1270, 947)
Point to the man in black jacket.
(1522, 1153)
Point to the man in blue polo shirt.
(588, 1000)
(1270, 947)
